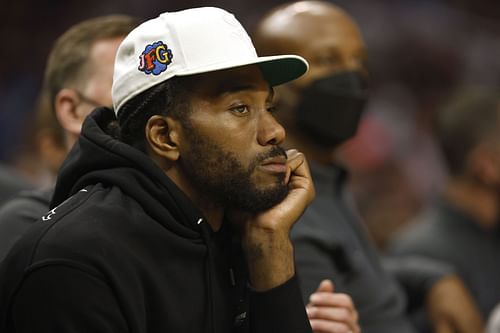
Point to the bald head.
(325, 35)
(322, 108)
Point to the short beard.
(223, 180)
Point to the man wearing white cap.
(172, 213)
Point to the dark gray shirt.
(10, 184)
(18, 214)
(331, 242)
(445, 233)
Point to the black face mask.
(331, 107)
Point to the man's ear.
(66, 103)
(484, 162)
(162, 134)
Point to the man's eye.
(240, 109)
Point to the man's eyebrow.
(245, 87)
(237, 88)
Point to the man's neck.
(480, 203)
(213, 212)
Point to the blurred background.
(418, 51)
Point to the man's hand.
(265, 236)
(331, 312)
(452, 308)
(281, 217)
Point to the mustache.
(273, 152)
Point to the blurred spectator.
(321, 111)
(462, 226)
(78, 78)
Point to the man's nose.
(270, 131)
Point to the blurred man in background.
(462, 226)
(321, 111)
(78, 78)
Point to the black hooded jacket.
(124, 250)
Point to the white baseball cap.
(187, 42)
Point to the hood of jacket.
(97, 157)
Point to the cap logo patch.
(155, 58)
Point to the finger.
(325, 326)
(356, 317)
(297, 163)
(294, 159)
(331, 299)
(290, 153)
(288, 175)
(299, 178)
(325, 286)
(338, 315)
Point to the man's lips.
(275, 164)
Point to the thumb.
(326, 286)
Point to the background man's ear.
(485, 165)
(66, 103)
(162, 134)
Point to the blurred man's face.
(230, 146)
(97, 90)
(94, 90)
(324, 105)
